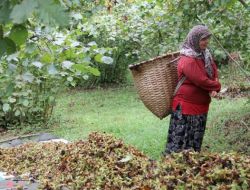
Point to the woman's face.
(204, 43)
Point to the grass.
(230, 111)
(119, 111)
(115, 111)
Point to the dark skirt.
(185, 131)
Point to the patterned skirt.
(185, 131)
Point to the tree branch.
(243, 3)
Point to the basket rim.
(153, 59)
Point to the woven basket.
(155, 81)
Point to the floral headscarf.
(191, 47)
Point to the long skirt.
(185, 131)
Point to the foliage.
(103, 162)
(32, 77)
(143, 29)
(65, 43)
(27, 94)
(38, 60)
(228, 20)
(133, 31)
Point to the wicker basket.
(155, 81)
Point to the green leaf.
(85, 77)
(70, 79)
(28, 77)
(84, 69)
(30, 47)
(76, 16)
(18, 34)
(70, 54)
(52, 13)
(12, 100)
(103, 59)
(13, 57)
(79, 67)
(93, 43)
(46, 58)
(37, 64)
(17, 112)
(67, 64)
(98, 58)
(25, 102)
(107, 60)
(6, 107)
(21, 12)
(94, 71)
(186, 6)
(7, 46)
(5, 10)
(10, 89)
(12, 67)
(52, 69)
(73, 83)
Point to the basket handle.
(174, 60)
(180, 82)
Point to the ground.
(120, 112)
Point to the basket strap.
(174, 60)
(180, 82)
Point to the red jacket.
(195, 89)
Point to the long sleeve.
(195, 72)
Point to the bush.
(31, 79)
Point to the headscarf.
(191, 47)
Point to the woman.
(191, 102)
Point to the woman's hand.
(213, 94)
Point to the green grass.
(115, 111)
(120, 112)
(221, 112)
